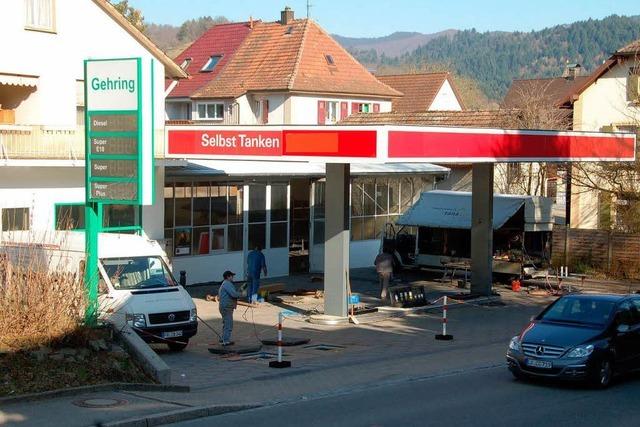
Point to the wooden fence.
(611, 252)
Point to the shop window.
(200, 241)
(318, 212)
(69, 217)
(234, 237)
(40, 15)
(257, 235)
(182, 241)
(15, 219)
(257, 203)
(377, 202)
(168, 206)
(201, 205)
(182, 204)
(218, 238)
(278, 221)
(235, 213)
(218, 204)
(552, 188)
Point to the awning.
(236, 168)
(18, 80)
(452, 209)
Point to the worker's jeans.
(253, 284)
(227, 323)
(384, 284)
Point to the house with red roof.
(424, 92)
(286, 72)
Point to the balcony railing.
(18, 142)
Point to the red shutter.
(265, 111)
(321, 112)
(376, 108)
(344, 110)
(354, 107)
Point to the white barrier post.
(280, 363)
(444, 336)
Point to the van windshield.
(138, 272)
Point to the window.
(211, 63)
(120, 216)
(329, 59)
(278, 221)
(376, 202)
(257, 215)
(331, 112)
(633, 85)
(203, 217)
(15, 219)
(318, 212)
(185, 64)
(210, 111)
(40, 14)
(364, 108)
(69, 217)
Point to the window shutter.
(344, 110)
(265, 111)
(376, 108)
(354, 107)
(321, 112)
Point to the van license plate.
(172, 334)
(544, 364)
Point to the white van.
(135, 284)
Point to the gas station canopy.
(395, 144)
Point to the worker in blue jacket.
(255, 264)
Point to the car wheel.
(177, 345)
(603, 374)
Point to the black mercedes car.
(580, 337)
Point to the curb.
(73, 391)
(179, 415)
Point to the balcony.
(19, 142)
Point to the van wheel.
(177, 345)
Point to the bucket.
(515, 285)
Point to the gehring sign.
(112, 85)
(395, 144)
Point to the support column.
(336, 244)
(92, 229)
(482, 229)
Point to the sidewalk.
(391, 349)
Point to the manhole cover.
(99, 403)
(261, 355)
(324, 347)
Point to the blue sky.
(371, 18)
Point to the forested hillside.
(495, 58)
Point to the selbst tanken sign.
(119, 150)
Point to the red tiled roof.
(276, 57)
(632, 48)
(468, 118)
(222, 39)
(419, 90)
(551, 91)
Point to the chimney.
(572, 71)
(286, 16)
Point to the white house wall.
(57, 58)
(445, 99)
(605, 102)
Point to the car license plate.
(544, 364)
(172, 334)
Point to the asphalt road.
(476, 397)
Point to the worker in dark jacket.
(384, 267)
(228, 297)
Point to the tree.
(536, 109)
(133, 15)
(193, 28)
